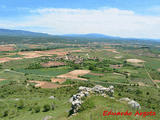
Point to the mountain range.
(8, 32)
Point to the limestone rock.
(134, 104)
(51, 97)
(125, 99)
(76, 99)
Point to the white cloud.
(111, 21)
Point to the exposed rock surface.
(76, 99)
(132, 103)
(51, 97)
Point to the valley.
(38, 79)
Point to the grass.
(46, 71)
(103, 104)
(15, 86)
(107, 77)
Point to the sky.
(124, 18)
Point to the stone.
(134, 104)
(125, 99)
(86, 91)
(51, 97)
(17, 99)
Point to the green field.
(21, 100)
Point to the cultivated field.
(37, 80)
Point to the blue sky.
(125, 18)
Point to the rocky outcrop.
(132, 103)
(76, 99)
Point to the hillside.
(46, 78)
(8, 32)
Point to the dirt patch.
(7, 59)
(58, 80)
(75, 74)
(29, 54)
(59, 52)
(141, 84)
(96, 74)
(35, 54)
(53, 63)
(135, 61)
(158, 81)
(43, 84)
(112, 50)
(158, 69)
(77, 51)
(2, 79)
(7, 47)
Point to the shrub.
(34, 66)
(0, 66)
(4, 113)
(91, 67)
(147, 93)
(138, 92)
(76, 66)
(88, 104)
(46, 108)
(36, 109)
(20, 104)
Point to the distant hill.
(8, 36)
(103, 36)
(8, 32)
(90, 35)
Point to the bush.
(91, 67)
(88, 104)
(20, 104)
(46, 108)
(0, 66)
(76, 66)
(138, 92)
(147, 93)
(34, 66)
(36, 109)
(4, 113)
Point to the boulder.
(51, 97)
(125, 99)
(134, 104)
